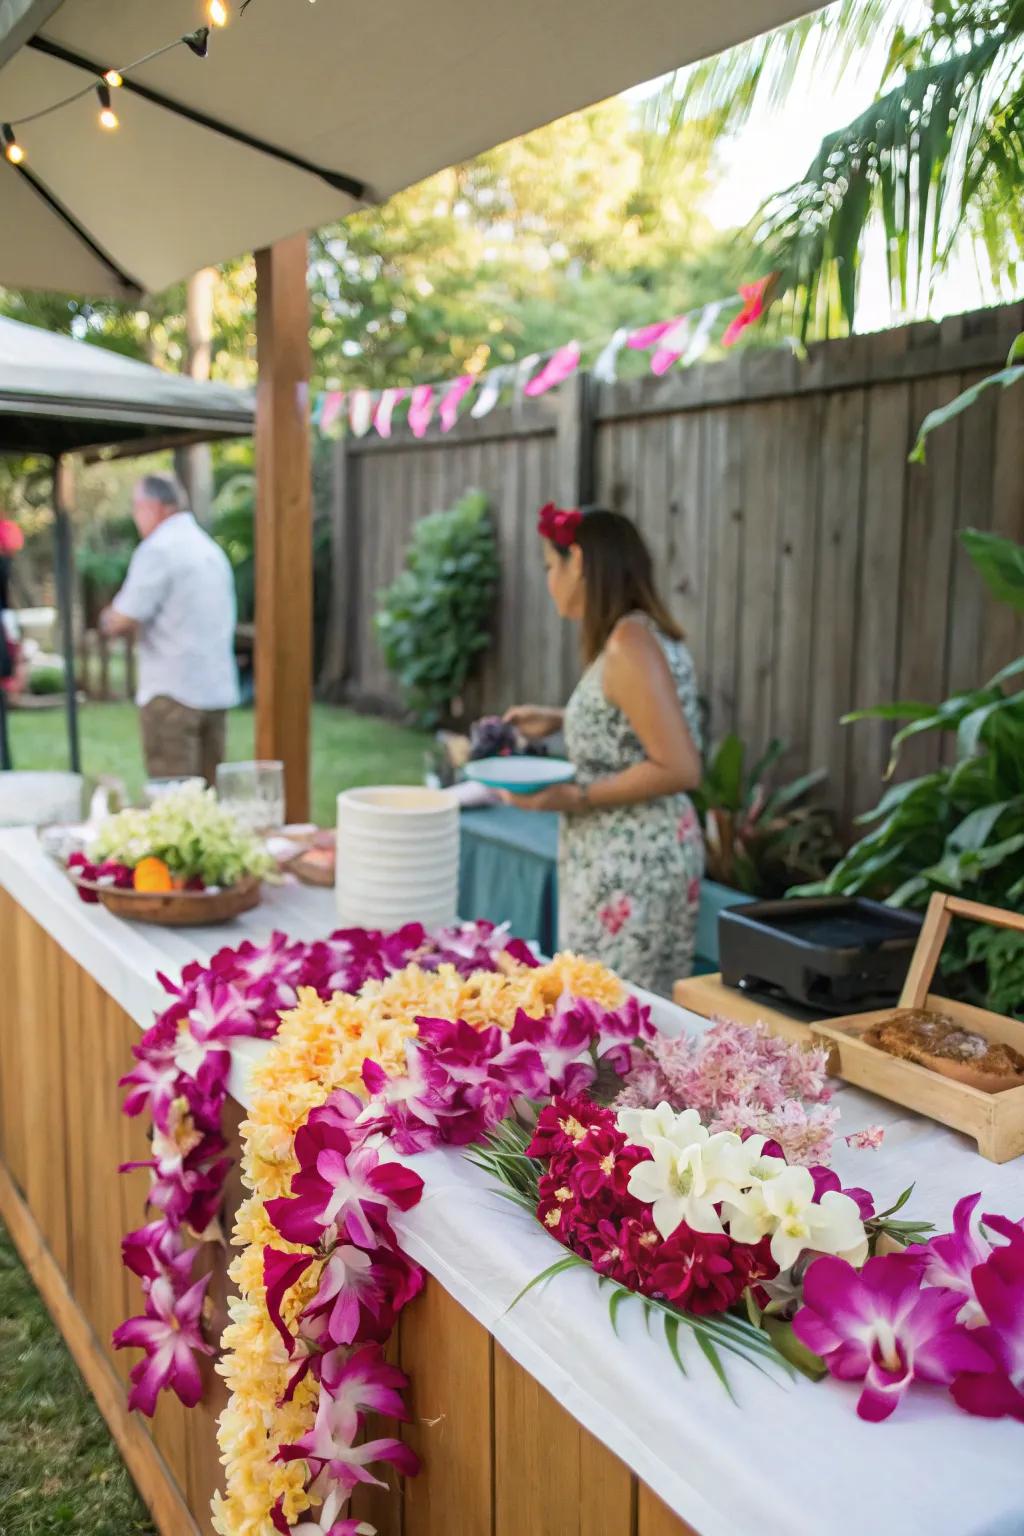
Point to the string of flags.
(678, 341)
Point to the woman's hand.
(534, 721)
(567, 798)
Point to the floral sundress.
(629, 877)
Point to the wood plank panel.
(969, 597)
(1003, 637)
(879, 602)
(931, 504)
(656, 1519)
(687, 569)
(797, 549)
(836, 585)
(15, 1037)
(757, 638)
(447, 1356)
(545, 1481)
(723, 488)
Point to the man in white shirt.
(179, 599)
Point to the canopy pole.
(63, 502)
(284, 519)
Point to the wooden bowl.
(178, 909)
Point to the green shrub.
(960, 828)
(434, 621)
(47, 681)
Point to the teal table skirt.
(509, 874)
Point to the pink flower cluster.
(740, 1079)
(460, 1081)
(948, 1312)
(339, 1212)
(180, 1078)
(585, 1203)
(110, 873)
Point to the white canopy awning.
(59, 395)
(299, 114)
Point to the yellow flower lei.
(321, 1047)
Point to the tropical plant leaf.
(999, 561)
(560, 1266)
(1004, 379)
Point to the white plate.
(520, 775)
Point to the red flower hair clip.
(559, 524)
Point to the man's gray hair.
(166, 489)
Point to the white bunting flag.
(604, 369)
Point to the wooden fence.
(815, 570)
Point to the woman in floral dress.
(631, 853)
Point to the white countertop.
(790, 1459)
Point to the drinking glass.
(154, 788)
(254, 792)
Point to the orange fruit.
(152, 875)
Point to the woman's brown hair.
(618, 576)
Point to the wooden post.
(63, 565)
(195, 464)
(337, 665)
(284, 519)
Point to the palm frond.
(723, 91)
(942, 145)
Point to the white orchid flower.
(784, 1206)
(643, 1127)
(685, 1183)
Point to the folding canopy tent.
(297, 115)
(59, 396)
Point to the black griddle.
(830, 954)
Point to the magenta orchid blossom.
(325, 1521)
(998, 1284)
(171, 1336)
(880, 1327)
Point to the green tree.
(938, 155)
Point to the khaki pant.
(179, 742)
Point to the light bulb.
(217, 13)
(114, 78)
(108, 117)
(12, 149)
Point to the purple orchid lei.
(949, 1312)
(180, 1079)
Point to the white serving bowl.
(397, 856)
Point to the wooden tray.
(994, 1120)
(712, 999)
(178, 909)
(311, 871)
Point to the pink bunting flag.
(421, 409)
(648, 335)
(360, 411)
(555, 371)
(452, 399)
(331, 409)
(385, 410)
(671, 346)
(752, 295)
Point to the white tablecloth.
(789, 1459)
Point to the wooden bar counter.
(532, 1420)
(501, 1457)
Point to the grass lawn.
(60, 1472)
(348, 749)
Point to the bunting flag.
(671, 346)
(680, 340)
(604, 367)
(360, 411)
(385, 409)
(753, 296)
(702, 334)
(331, 409)
(452, 398)
(490, 391)
(555, 371)
(421, 409)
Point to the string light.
(217, 13)
(108, 117)
(12, 149)
(114, 78)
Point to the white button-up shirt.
(180, 591)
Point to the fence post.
(342, 613)
(574, 442)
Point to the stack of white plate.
(398, 857)
(34, 799)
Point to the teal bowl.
(520, 775)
